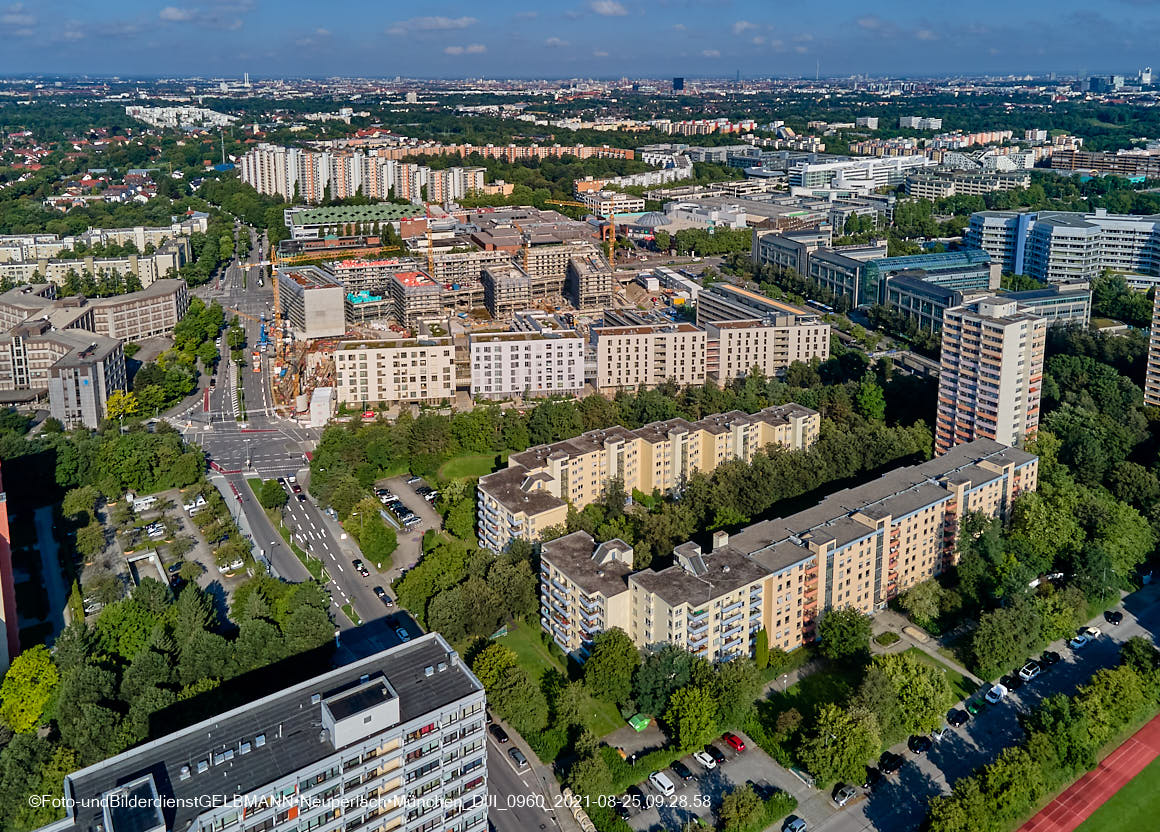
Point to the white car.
(705, 760)
(1085, 637)
(996, 694)
(662, 783)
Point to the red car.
(735, 742)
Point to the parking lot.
(410, 540)
(700, 796)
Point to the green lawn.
(1135, 806)
(960, 684)
(467, 467)
(601, 718)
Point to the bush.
(888, 638)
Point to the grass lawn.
(960, 684)
(1133, 807)
(466, 467)
(349, 612)
(600, 718)
(313, 565)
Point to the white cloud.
(741, 25)
(758, 40)
(599, 53)
(15, 15)
(608, 8)
(528, 15)
(870, 22)
(926, 34)
(710, 53)
(431, 24)
(174, 14)
(470, 49)
(801, 50)
(555, 42)
(680, 27)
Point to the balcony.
(736, 605)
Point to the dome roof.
(652, 219)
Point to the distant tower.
(678, 84)
(246, 80)
(1146, 75)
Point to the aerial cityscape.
(611, 417)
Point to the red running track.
(1091, 791)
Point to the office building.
(507, 289)
(1055, 246)
(678, 84)
(607, 203)
(131, 317)
(641, 357)
(9, 621)
(934, 186)
(394, 741)
(726, 302)
(787, 249)
(991, 374)
(919, 123)
(542, 358)
(968, 270)
(399, 370)
(539, 484)
(872, 173)
(338, 220)
(164, 261)
(313, 302)
(33, 247)
(859, 547)
(1060, 304)
(869, 122)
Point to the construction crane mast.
(430, 243)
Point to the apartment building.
(507, 289)
(641, 357)
(393, 741)
(167, 259)
(31, 247)
(1055, 246)
(876, 172)
(991, 373)
(919, 123)
(545, 359)
(312, 301)
(941, 186)
(539, 484)
(1118, 164)
(9, 620)
(446, 186)
(153, 311)
(735, 348)
(607, 203)
(401, 370)
(859, 547)
(1152, 373)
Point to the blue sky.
(575, 38)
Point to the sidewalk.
(911, 636)
(1079, 800)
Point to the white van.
(662, 783)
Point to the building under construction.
(312, 302)
(507, 289)
(589, 281)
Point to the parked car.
(518, 756)
(890, 762)
(1049, 658)
(296, 488)
(501, 736)
(974, 707)
(716, 753)
(1030, 670)
(1114, 617)
(661, 782)
(705, 760)
(735, 742)
(1012, 682)
(682, 771)
(919, 744)
(430, 496)
(873, 778)
(302, 498)
(361, 568)
(1084, 637)
(794, 824)
(843, 794)
(414, 480)
(997, 694)
(958, 718)
(622, 810)
(402, 634)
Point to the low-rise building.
(736, 348)
(934, 186)
(401, 370)
(607, 203)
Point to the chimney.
(720, 540)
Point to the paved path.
(50, 569)
(1091, 791)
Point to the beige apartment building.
(991, 373)
(641, 357)
(734, 348)
(407, 370)
(657, 457)
(859, 548)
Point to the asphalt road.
(518, 802)
(900, 802)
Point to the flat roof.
(588, 565)
(354, 213)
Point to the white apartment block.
(875, 172)
(405, 370)
(506, 364)
(1152, 374)
(991, 374)
(641, 357)
(920, 123)
(607, 203)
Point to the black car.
(1049, 658)
(716, 753)
(873, 778)
(360, 568)
(682, 771)
(919, 744)
(622, 810)
(1012, 682)
(1114, 617)
(890, 762)
(500, 734)
(302, 498)
(957, 718)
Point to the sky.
(575, 38)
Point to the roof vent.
(323, 735)
(428, 670)
(364, 678)
(259, 740)
(725, 568)
(315, 698)
(184, 772)
(202, 766)
(441, 666)
(244, 748)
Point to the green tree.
(923, 692)
(739, 809)
(491, 663)
(120, 405)
(27, 689)
(761, 649)
(272, 495)
(691, 717)
(871, 401)
(91, 539)
(611, 664)
(840, 743)
(844, 634)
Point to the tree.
(761, 649)
(739, 809)
(491, 663)
(922, 691)
(28, 687)
(691, 717)
(590, 776)
(1005, 635)
(871, 401)
(787, 723)
(272, 495)
(611, 665)
(844, 633)
(659, 674)
(80, 504)
(121, 405)
(921, 602)
(91, 539)
(839, 743)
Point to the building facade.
(991, 374)
(9, 622)
(403, 370)
(641, 357)
(313, 302)
(537, 363)
(394, 741)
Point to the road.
(900, 802)
(518, 801)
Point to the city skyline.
(582, 38)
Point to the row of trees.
(1063, 736)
